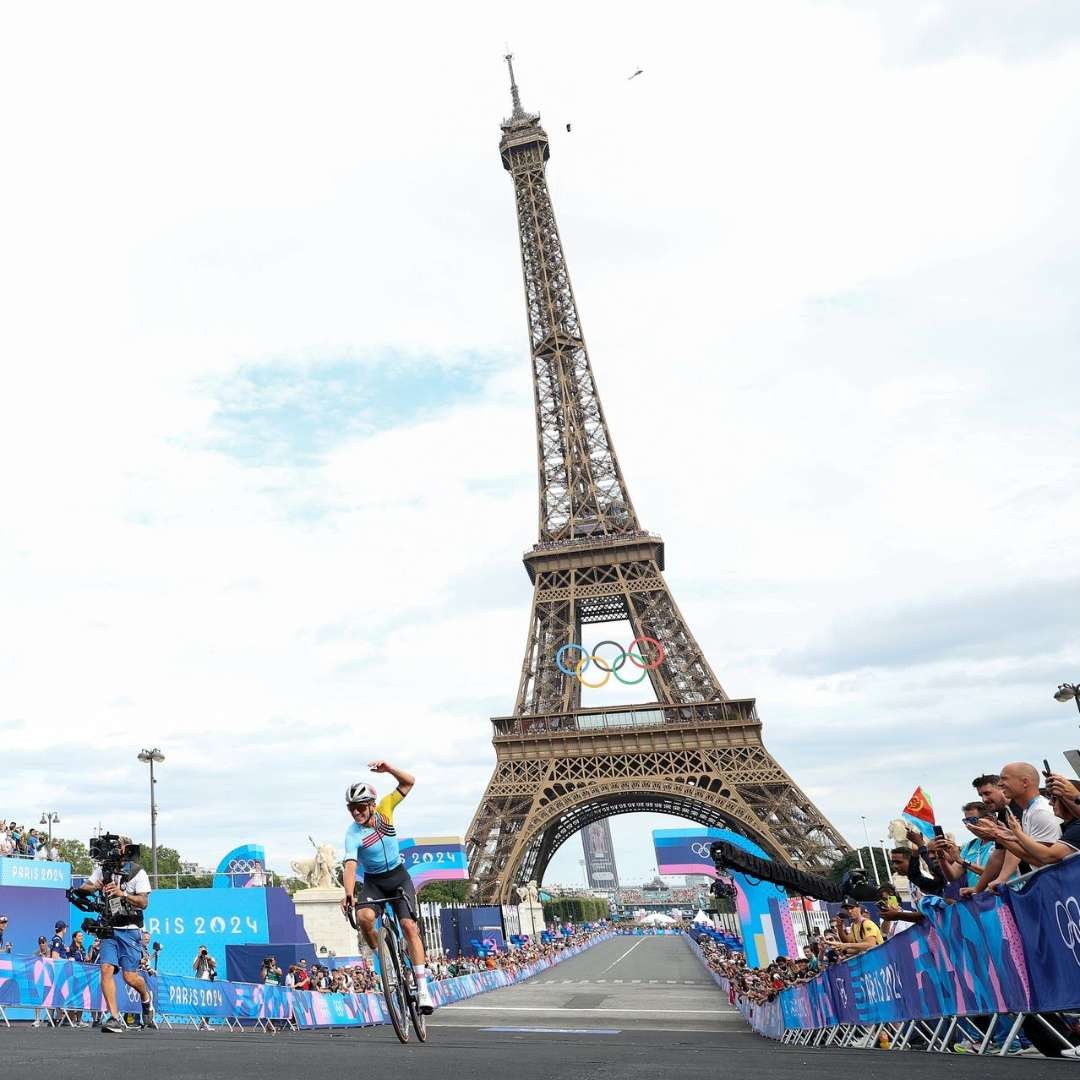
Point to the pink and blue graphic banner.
(763, 910)
(1016, 953)
(435, 858)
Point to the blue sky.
(271, 425)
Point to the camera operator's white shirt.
(139, 885)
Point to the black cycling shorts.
(384, 886)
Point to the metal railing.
(742, 712)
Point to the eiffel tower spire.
(692, 751)
(582, 490)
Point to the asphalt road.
(626, 1009)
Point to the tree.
(76, 853)
(576, 909)
(871, 857)
(445, 892)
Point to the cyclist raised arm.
(371, 843)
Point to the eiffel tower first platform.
(693, 751)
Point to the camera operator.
(271, 973)
(127, 895)
(204, 965)
(146, 965)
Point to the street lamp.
(802, 902)
(149, 757)
(50, 818)
(870, 850)
(1068, 692)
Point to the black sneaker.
(148, 1020)
(113, 1024)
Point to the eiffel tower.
(693, 751)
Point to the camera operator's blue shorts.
(122, 950)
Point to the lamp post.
(1068, 692)
(149, 757)
(50, 818)
(870, 851)
(802, 903)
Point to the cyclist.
(371, 841)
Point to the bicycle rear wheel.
(390, 971)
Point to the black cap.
(61, 925)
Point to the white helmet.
(355, 793)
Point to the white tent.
(656, 919)
(701, 919)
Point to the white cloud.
(827, 275)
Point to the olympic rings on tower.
(613, 668)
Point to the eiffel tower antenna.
(692, 751)
(519, 112)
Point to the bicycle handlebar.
(350, 910)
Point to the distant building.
(600, 868)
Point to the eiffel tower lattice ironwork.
(694, 751)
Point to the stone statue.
(898, 832)
(319, 872)
(528, 894)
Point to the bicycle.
(395, 967)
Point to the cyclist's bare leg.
(365, 916)
(413, 941)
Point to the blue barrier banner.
(1046, 911)
(35, 873)
(65, 984)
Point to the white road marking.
(624, 956)
(729, 1013)
(560, 1031)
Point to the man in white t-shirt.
(1020, 782)
(127, 895)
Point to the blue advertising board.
(35, 873)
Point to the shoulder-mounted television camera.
(116, 855)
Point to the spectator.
(57, 948)
(1001, 865)
(967, 864)
(1020, 782)
(270, 973)
(41, 954)
(32, 842)
(290, 977)
(1045, 852)
(859, 933)
(5, 946)
(907, 862)
(77, 950)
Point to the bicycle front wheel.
(390, 971)
(419, 1020)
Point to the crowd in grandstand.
(19, 841)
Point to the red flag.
(920, 807)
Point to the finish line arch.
(564, 810)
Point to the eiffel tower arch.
(692, 751)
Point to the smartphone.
(1046, 768)
(939, 831)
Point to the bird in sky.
(636, 74)
(567, 127)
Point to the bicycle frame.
(399, 960)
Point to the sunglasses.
(354, 806)
(971, 820)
